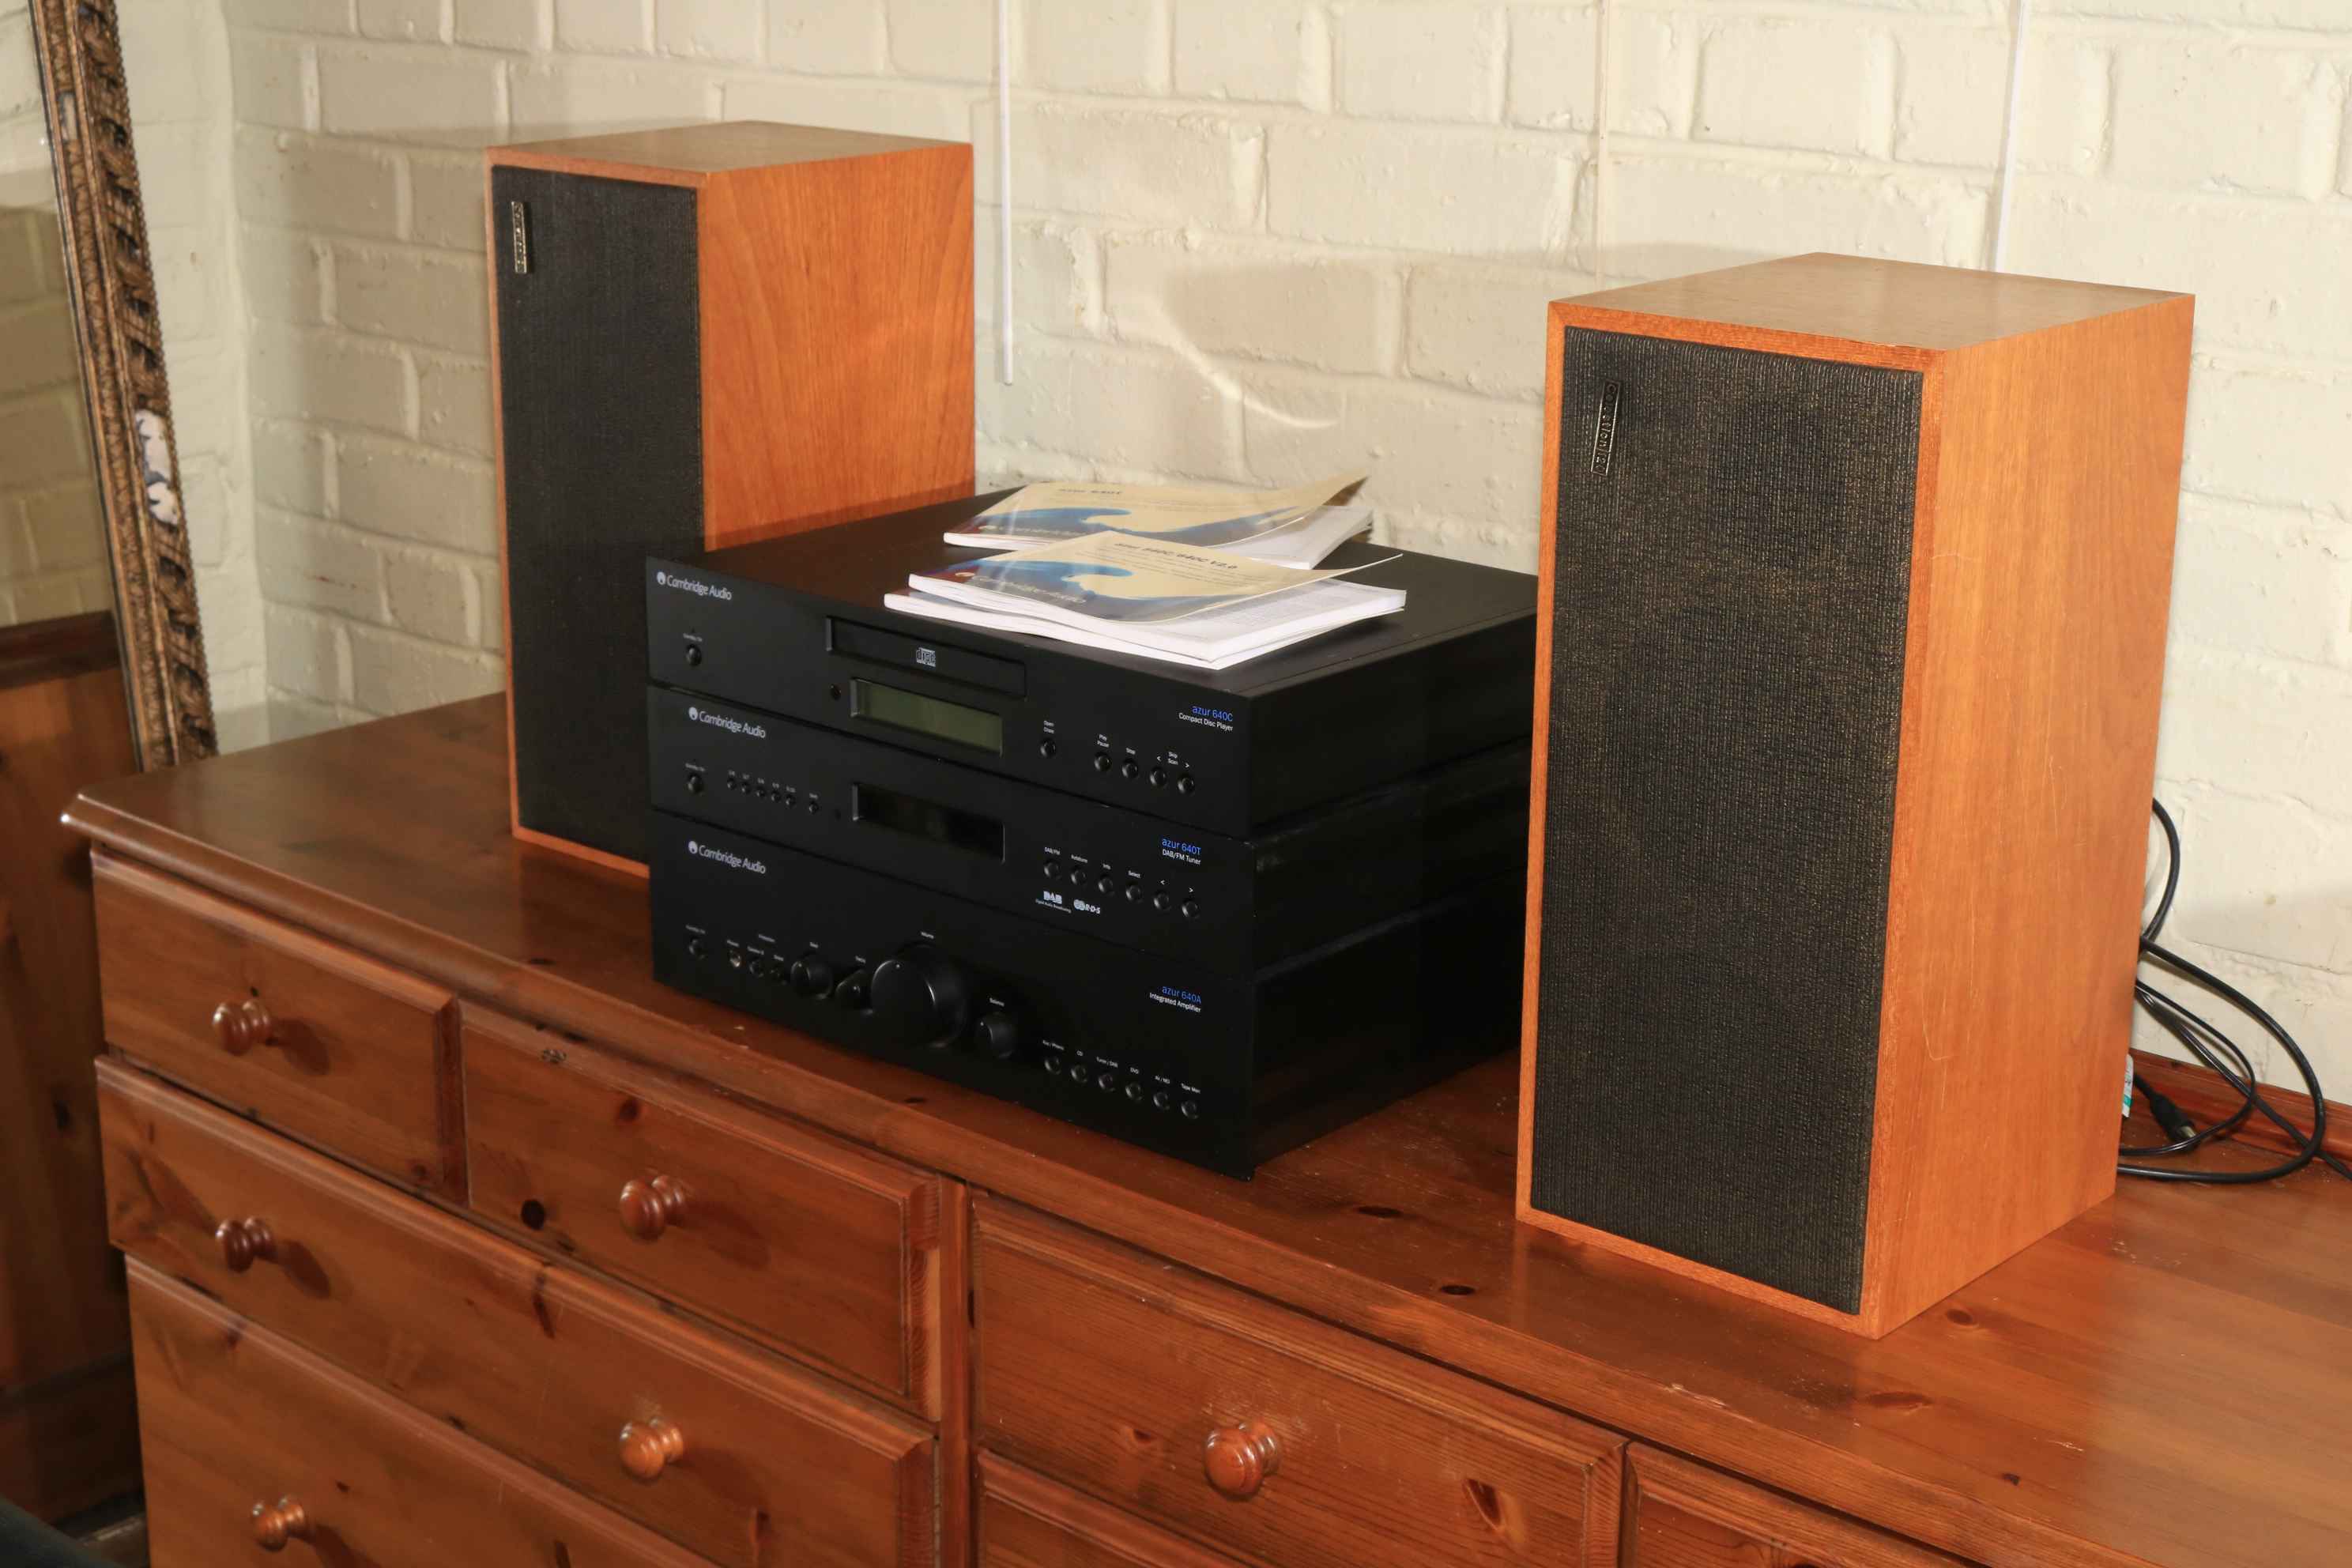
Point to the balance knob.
(919, 995)
(997, 1035)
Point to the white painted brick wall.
(1257, 240)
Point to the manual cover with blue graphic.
(1292, 526)
(1129, 593)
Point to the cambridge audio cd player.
(795, 627)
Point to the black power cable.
(2209, 1046)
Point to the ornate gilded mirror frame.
(121, 337)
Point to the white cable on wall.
(1600, 59)
(1004, 191)
(2019, 18)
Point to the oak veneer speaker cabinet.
(701, 336)
(1854, 577)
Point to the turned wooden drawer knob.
(1239, 1458)
(651, 1207)
(245, 1242)
(276, 1524)
(650, 1447)
(241, 1024)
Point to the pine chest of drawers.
(452, 1238)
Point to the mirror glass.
(52, 538)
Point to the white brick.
(1359, 183)
(208, 397)
(440, 302)
(308, 654)
(1482, 327)
(1262, 51)
(1953, 93)
(2261, 726)
(2271, 436)
(2223, 116)
(1551, 76)
(504, 24)
(1096, 45)
(2250, 264)
(159, 44)
(828, 35)
(15, 545)
(414, 493)
(1147, 168)
(453, 403)
(1121, 408)
(1827, 86)
(450, 100)
(285, 275)
(293, 716)
(1254, 302)
(404, 21)
(2315, 14)
(430, 595)
(1421, 62)
(2261, 581)
(320, 566)
(215, 532)
(2273, 879)
(606, 26)
(1430, 454)
(950, 40)
(396, 674)
(37, 347)
(574, 97)
(298, 182)
(1056, 277)
(66, 527)
(236, 635)
(289, 467)
(323, 375)
(708, 29)
(293, 15)
(1674, 217)
(445, 201)
(272, 82)
(43, 437)
(942, 113)
(489, 592)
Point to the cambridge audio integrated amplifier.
(1214, 913)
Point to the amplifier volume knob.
(997, 1035)
(920, 994)
(811, 975)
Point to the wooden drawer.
(249, 1440)
(1029, 1522)
(771, 1465)
(794, 1237)
(1266, 1434)
(338, 1049)
(1681, 1515)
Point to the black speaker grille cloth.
(1727, 683)
(600, 387)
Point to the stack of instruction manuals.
(1190, 577)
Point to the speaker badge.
(519, 236)
(1604, 427)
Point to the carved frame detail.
(119, 334)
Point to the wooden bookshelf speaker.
(1850, 642)
(701, 336)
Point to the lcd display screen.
(974, 727)
(965, 830)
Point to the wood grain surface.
(799, 1240)
(1681, 1515)
(238, 1420)
(548, 1368)
(356, 1057)
(2024, 1422)
(1027, 1521)
(1356, 1457)
(68, 1437)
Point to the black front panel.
(1731, 581)
(599, 396)
(1222, 1068)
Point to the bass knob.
(997, 1035)
(920, 994)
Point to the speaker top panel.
(692, 154)
(1856, 308)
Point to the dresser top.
(2168, 1380)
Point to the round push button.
(1130, 768)
(1102, 762)
(1186, 783)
